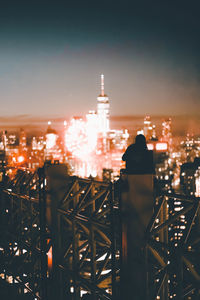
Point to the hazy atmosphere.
(100, 150)
(52, 55)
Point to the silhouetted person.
(136, 212)
(139, 160)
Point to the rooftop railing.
(61, 236)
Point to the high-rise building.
(197, 182)
(91, 128)
(4, 140)
(90, 145)
(189, 177)
(22, 140)
(12, 138)
(167, 131)
(52, 151)
(148, 129)
(51, 137)
(103, 113)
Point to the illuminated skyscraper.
(197, 182)
(4, 140)
(51, 137)
(22, 140)
(167, 131)
(148, 129)
(52, 151)
(103, 110)
(91, 130)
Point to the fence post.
(164, 238)
(113, 242)
(57, 178)
(43, 236)
(75, 244)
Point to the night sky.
(52, 55)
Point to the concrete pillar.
(136, 211)
(57, 184)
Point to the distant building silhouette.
(190, 177)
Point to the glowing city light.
(89, 147)
(161, 146)
(20, 159)
(76, 138)
(50, 140)
(197, 182)
(50, 259)
(89, 140)
(150, 146)
(91, 130)
(81, 137)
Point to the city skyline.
(52, 56)
(99, 149)
(182, 124)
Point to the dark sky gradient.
(52, 55)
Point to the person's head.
(140, 141)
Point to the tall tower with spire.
(103, 107)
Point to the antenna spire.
(102, 85)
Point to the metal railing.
(20, 234)
(82, 233)
(172, 249)
(79, 233)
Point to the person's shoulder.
(131, 147)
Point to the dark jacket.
(138, 160)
